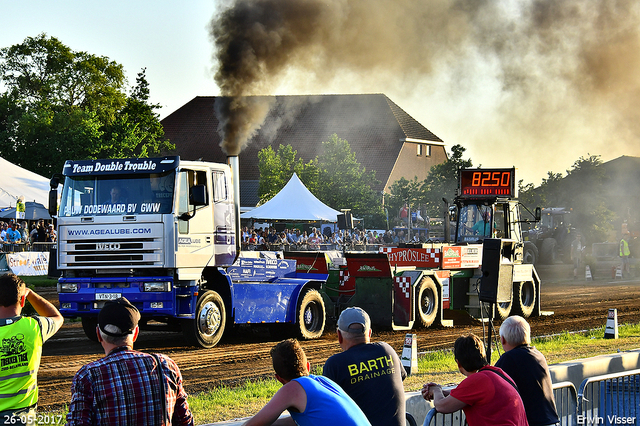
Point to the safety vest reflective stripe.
(624, 248)
(13, 376)
(20, 392)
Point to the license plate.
(108, 296)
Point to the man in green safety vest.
(624, 254)
(21, 340)
(20, 208)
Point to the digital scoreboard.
(481, 183)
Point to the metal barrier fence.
(18, 248)
(564, 394)
(610, 399)
(566, 399)
(457, 418)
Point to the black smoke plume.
(567, 72)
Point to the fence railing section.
(610, 399)
(566, 399)
(457, 418)
(17, 248)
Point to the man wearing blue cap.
(370, 373)
(127, 387)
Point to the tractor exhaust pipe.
(232, 160)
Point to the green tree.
(442, 181)
(136, 130)
(276, 168)
(60, 104)
(403, 192)
(345, 184)
(585, 191)
(335, 177)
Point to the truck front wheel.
(89, 326)
(524, 298)
(208, 326)
(427, 302)
(311, 316)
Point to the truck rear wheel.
(427, 302)
(208, 326)
(311, 315)
(524, 298)
(89, 326)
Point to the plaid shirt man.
(123, 389)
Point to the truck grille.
(111, 254)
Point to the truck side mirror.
(538, 214)
(198, 196)
(53, 202)
(53, 194)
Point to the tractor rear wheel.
(427, 302)
(524, 298)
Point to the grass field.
(39, 281)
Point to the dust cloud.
(540, 82)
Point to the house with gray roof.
(382, 135)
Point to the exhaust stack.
(232, 161)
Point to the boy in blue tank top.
(311, 400)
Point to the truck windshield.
(474, 223)
(122, 195)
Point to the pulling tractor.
(415, 285)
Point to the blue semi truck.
(163, 233)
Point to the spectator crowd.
(21, 236)
(295, 239)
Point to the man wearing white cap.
(370, 373)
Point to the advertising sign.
(28, 263)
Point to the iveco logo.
(108, 246)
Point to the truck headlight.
(158, 286)
(68, 288)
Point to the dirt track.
(577, 305)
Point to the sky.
(524, 83)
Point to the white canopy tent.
(294, 202)
(16, 182)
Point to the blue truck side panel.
(264, 302)
(271, 302)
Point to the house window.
(423, 150)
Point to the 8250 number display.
(486, 183)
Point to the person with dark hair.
(22, 339)
(127, 387)
(487, 395)
(311, 400)
(528, 368)
(377, 388)
(41, 232)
